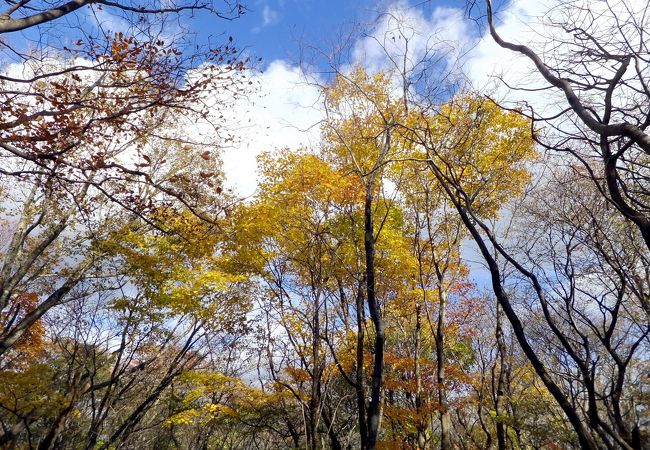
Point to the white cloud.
(269, 16)
(491, 68)
(277, 116)
(108, 21)
(404, 36)
(284, 113)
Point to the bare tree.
(597, 57)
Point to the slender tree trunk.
(374, 411)
(421, 423)
(295, 436)
(585, 438)
(498, 401)
(360, 389)
(49, 441)
(445, 419)
(335, 444)
(315, 400)
(10, 436)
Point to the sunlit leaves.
(481, 147)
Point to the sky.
(284, 111)
(276, 29)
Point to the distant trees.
(99, 364)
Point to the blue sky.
(274, 29)
(284, 107)
(285, 113)
(269, 29)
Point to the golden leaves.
(482, 149)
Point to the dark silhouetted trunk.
(374, 411)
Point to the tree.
(43, 256)
(20, 16)
(363, 136)
(599, 65)
(111, 354)
(94, 156)
(92, 117)
(548, 281)
(288, 238)
(83, 104)
(81, 130)
(441, 274)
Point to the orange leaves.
(120, 47)
(114, 98)
(32, 343)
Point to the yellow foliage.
(480, 147)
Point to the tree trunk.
(445, 419)
(420, 424)
(360, 389)
(335, 444)
(498, 401)
(585, 438)
(374, 411)
(315, 400)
